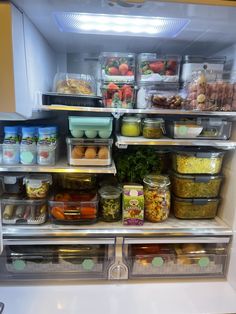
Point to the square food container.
(116, 95)
(90, 127)
(117, 67)
(12, 183)
(73, 208)
(83, 152)
(198, 161)
(37, 185)
(198, 208)
(154, 68)
(195, 186)
(23, 211)
(201, 128)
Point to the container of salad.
(110, 203)
(37, 185)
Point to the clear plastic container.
(77, 181)
(201, 128)
(71, 83)
(89, 152)
(10, 154)
(118, 95)
(37, 185)
(154, 68)
(90, 127)
(198, 208)
(73, 208)
(131, 126)
(198, 161)
(47, 135)
(23, 211)
(28, 154)
(11, 135)
(153, 128)
(117, 67)
(156, 197)
(46, 155)
(197, 186)
(12, 183)
(166, 96)
(110, 203)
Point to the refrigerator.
(86, 268)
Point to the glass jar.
(153, 128)
(131, 126)
(156, 197)
(110, 203)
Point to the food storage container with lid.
(11, 135)
(37, 185)
(198, 208)
(23, 211)
(116, 95)
(117, 66)
(110, 203)
(153, 128)
(12, 183)
(131, 126)
(71, 83)
(215, 66)
(10, 154)
(28, 154)
(77, 181)
(46, 155)
(197, 161)
(154, 68)
(195, 186)
(90, 127)
(85, 152)
(47, 135)
(156, 197)
(166, 96)
(67, 207)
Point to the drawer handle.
(1, 307)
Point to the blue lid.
(29, 129)
(11, 129)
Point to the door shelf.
(172, 227)
(123, 142)
(61, 166)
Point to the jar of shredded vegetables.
(110, 203)
(156, 197)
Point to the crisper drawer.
(86, 260)
(203, 257)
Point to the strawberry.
(130, 73)
(112, 86)
(169, 72)
(109, 102)
(123, 69)
(127, 92)
(113, 71)
(171, 65)
(157, 67)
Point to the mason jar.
(110, 203)
(153, 128)
(131, 126)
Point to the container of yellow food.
(153, 128)
(37, 186)
(131, 126)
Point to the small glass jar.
(131, 126)
(153, 128)
(156, 197)
(110, 203)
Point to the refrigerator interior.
(47, 51)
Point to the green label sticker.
(27, 157)
(203, 261)
(157, 261)
(88, 264)
(182, 130)
(19, 264)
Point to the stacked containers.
(196, 182)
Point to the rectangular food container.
(71, 83)
(51, 98)
(86, 261)
(73, 208)
(90, 127)
(117, 67)
(12, 183)
(198, 161)
(201, 128)
(82, 152)
(23, 211)
(198, 208)
(154, 68)
(77, 181)
(116, 95)
(214, 66)
(195, 186)
(176, 260)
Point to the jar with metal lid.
(153, 128)
(110, 203)
(131, 126)
(156, 197)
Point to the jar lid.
(156, 180)
(109, 191)
(132, 119)
(32, 178)
(153, 122)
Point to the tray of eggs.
(83, 152)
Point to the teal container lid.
(85, 123)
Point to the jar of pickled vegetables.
(110, 203)
(131, 126)
(156, 197)
(153, 128)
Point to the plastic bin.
(198, 208)
(198, 161)
(118, 95)
(83, 152)
(117, 67)
(77, 181)
(37, 185)
(197, 186)
(12, 183)
(166, 96)
(90, 127)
